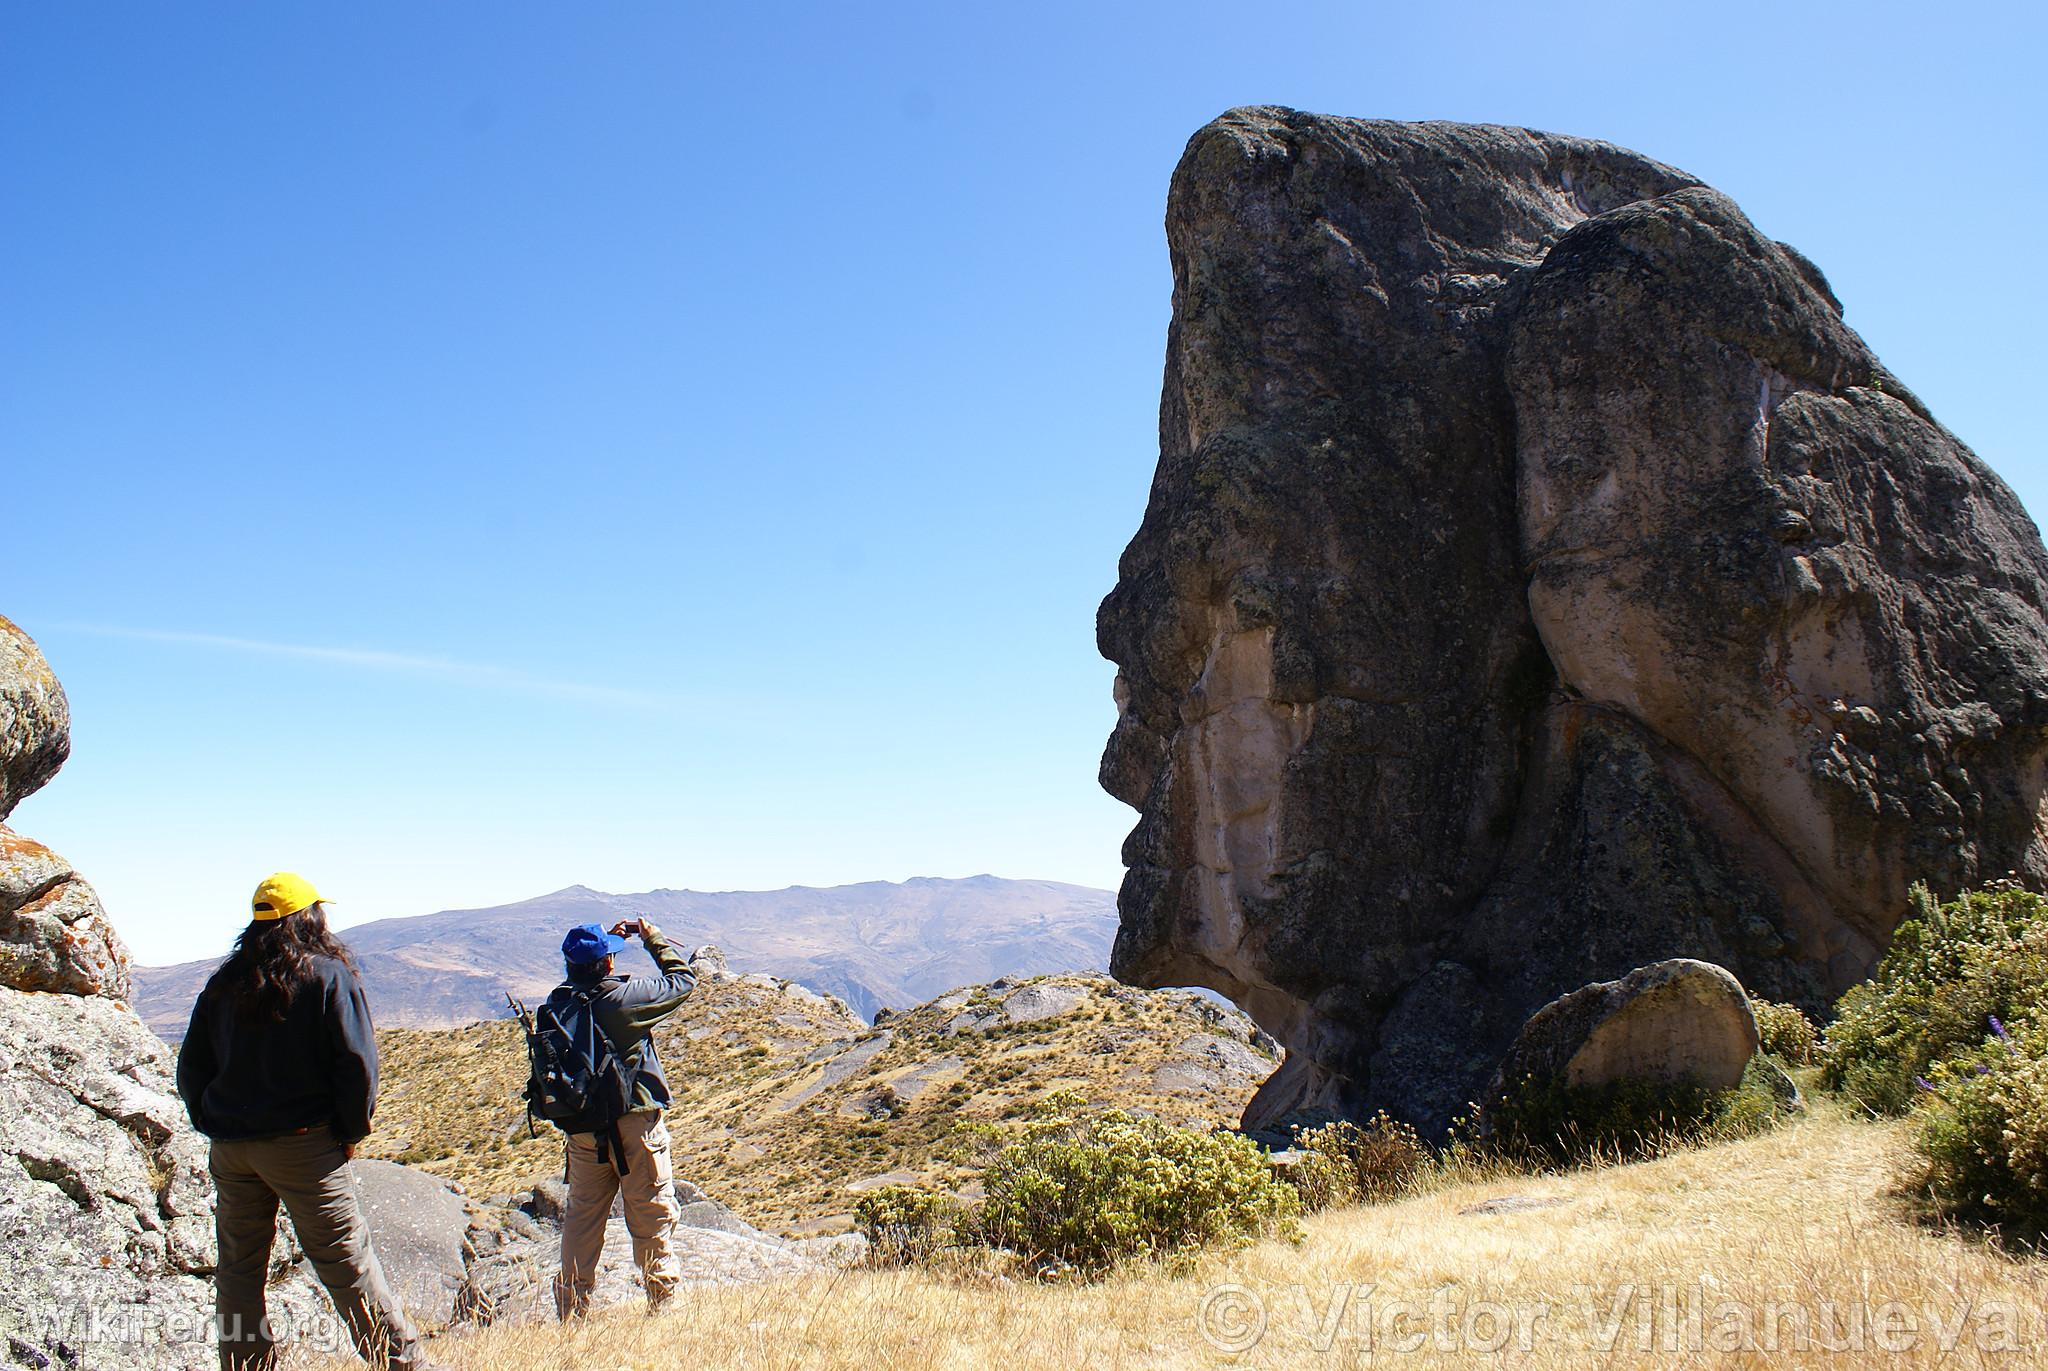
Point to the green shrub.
(1951, 969)
(1090, 1193)
(907, 1224)
(1348, 1163)
(1984, 1135)
(1785, 1032)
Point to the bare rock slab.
(420, 1226)
(106, 1210)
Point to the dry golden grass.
(1801, 1224)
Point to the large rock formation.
(1539, 580)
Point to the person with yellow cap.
(279, 1070)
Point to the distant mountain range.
(875, 945)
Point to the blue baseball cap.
(590, 943)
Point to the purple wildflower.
(1998, 1030)
(1924, 1084)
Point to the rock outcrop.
(53, 934)
(511, 1278)
(1539, 581)
(106, 1210)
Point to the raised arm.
(646, 1000)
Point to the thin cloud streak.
(395, 663)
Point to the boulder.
(1041, 1000)
(54, 935)
(713, 1215)
(549, 1200)
(1675, 1021)
(420, 1226)
(512, 1282)
(35, 719)
(1539, 581)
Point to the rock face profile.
(1539, 581)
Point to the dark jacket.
(628, 1008)
(258, 1079)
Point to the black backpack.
(575, 1077)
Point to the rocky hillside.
(788, 1104)
(1540, 580)
(106, 1204)
(875, 945)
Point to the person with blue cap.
(642, 1174)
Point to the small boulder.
(1043, 1000)
(1670, 1021)
(707, 1213)
(548, 1200)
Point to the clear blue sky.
(459, 450)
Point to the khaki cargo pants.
(308, 1172)
(648, 1188)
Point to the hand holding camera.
(634, 928)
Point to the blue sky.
(460, 450)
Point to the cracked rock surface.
(106, 1211)
(1540, 580)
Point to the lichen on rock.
(35, 718)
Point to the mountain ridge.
(873, 944)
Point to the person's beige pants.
(648, 1188)
(309, 1173)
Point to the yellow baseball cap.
(282, 893)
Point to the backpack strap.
(607, 1138)
(609, 1142)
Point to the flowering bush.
(906, 1224)
(1089, 1193)
(1348, 1163)
(1786, 1033)
(1950, 970)
(1984, 1133)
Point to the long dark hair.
(272, 959)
